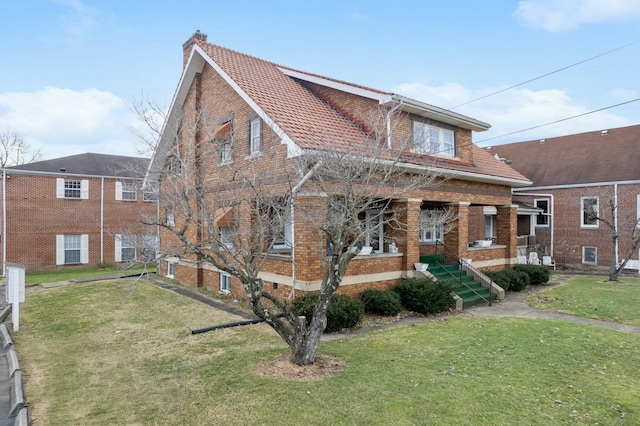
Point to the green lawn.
(34, 278)
(593, 297)
(102, 354)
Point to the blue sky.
(70, 69)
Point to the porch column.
(409, 242)
(507, 230)
(457, 239)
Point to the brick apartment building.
(276, 113)
(76, 211)
(572, 174)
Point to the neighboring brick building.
(75, 211)
(570, 172)
(276, 114)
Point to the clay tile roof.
(601, 156)
(310, 121)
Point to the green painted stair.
(470, 291)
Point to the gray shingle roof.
(91, 164)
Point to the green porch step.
(470, 291)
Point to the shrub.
(424, 295)
(538, 274)
(381, 302)
(510, 279)
(343, 312)
(499, 278)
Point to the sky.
(70, 70)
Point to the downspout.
(102, 220)
(4, 221)
(295, 189)
(389, 113)
(615, 221)
(551, 215)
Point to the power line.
(545, 75)
(558, 121)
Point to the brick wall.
(35, 216)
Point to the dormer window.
(433, 140)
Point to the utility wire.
(546, 75)
(558, 121)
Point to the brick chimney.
(186, 46)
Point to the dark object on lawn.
(229, 325)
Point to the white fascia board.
(441, 114)
(580, 185)
(66, 174)
(292, 149)
(343, 87)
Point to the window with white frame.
(72, 188)
(126, 191)
(150, 248)
(433, 140)
(170, 218)
(125, 248)
(542, 219)
(170, 268)
(255, 136)
(72, 249)
(489, 226)
(589, 209)
(225, 282)
(374, 230)
(590, 255)
(225, 152)
(283, 238)
(150, 192)
(431, 227)
(226, 236)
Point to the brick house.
(570, 175)
(76, 211)
(276, 114)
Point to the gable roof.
(303, 120)
(90, 164)
(602, 156)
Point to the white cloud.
(80, 20)
(515, 110)
(564, 15)
(65, 122)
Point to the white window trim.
(371, 217)
(170, 269)
(595, 249)
(547, 214)
(424, 146)
(120, 190)
(288, 236)
(84, 250)
(255, 137)
(226, 236)
(119, 238)
(492, 227)
(225, 278)
(84, 189)
(582, 224)
(436, 230)
(226, 152)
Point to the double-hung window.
(225, 152)
(255, 136)
(72, 188)
(590, 255)
(589, 209)
(72, 249)
(542, 219)
(126, 191)
(489, 226)
(125, 248)
(226, 236)
(433, 140)
(374, 230)
(431, 229)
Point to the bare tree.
(234, 217)
(614, 224)
(14, 150)
(151, 115)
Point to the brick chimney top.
(196, 36)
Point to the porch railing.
(465, 267)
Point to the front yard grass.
(593, 297)
(34, 278)
(102, 354)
